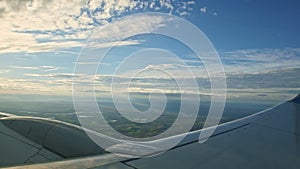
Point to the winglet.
(2, 114)
(296, 99)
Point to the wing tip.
(2, 114)
(296, 99)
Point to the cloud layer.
(256, 74)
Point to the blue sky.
(257, 41)
(244, 24)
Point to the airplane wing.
(268, 139)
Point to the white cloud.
(25, 67)
(20, 42)
(4, 71)
(44, 68)
(115, 43)
(191, 2)
(128, 26)
(26, 86)
(49, 68)
(203, 9)
(56, 75)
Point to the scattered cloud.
(49, 68)
(4, 71)
(41, 26)
(54, 75)
(258, 61)
(16, 43)
(44, 68)
(191, 2)
(126, 27)
(25, 67)
(203, 9)
(266, 85)
(256, 71)
(113, 44)
(26, 86)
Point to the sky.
(249, 24)
(257, 41)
